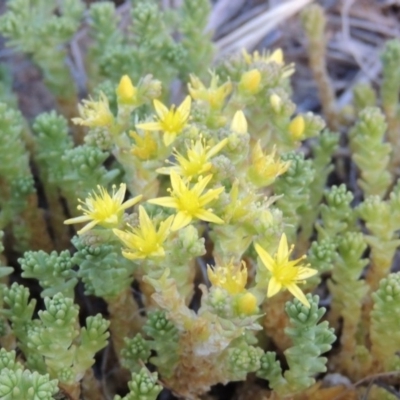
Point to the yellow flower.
(103, 209)
(239, 123)
(250, 81)
(144, 241)
(146, 147)
(247, 304)
(190, 202)
(94, 113)
(284, 273)
(232, 278)
(265, 168)
(197, 161)
(171, 122)
(296, 127)
(126, 92)
(214, 95)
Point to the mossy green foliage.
(17, 383)
(370, 153)
(384, 322)
(41, 29)
(142, 386)
(310, 339)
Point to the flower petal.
(77, 220)
(158, 253)
(87, 227)
(181, 220)
(265, 257)
(184, 108)
(199, 187)
(169, 137)
(164, 227)
(164, 201)
(111, 220)
(165, 170)
(210, 195)
(217, 148)
(146, 225)
(296, 292)
(273, 287)
(206, 215)
(283, 253)
(304, 272)
(131, 202)
(176, 182)
(124, 237)
(150, 126)
(160, 108)
(120, 194)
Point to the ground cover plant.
(171, 230)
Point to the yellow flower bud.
(247, 304)
(239, 123)
(296, 127)
(250, 81)
(126, 92)
(276, 103)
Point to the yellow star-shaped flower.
(170, 121)
(190, 202)
(103, 209)
(144, 241)
(284, 273)
(197, 161)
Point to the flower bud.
(276, 103)
(239, 123)
(126, 92)
(247, 304)
(250, 81)
(296, 127)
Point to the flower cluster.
(188, 198)
(193, 188)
